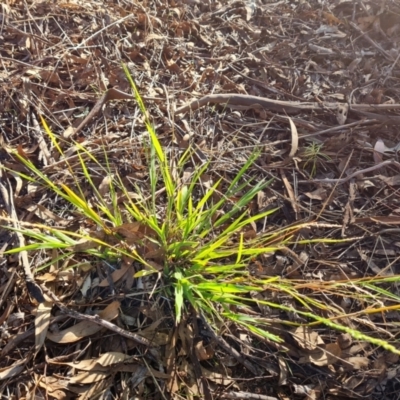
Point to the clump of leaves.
(193, 236)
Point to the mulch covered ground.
(57, 59)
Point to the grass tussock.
(199, 238)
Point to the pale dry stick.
(336, 128)
(265, 85)
(149, 370)
(16, 340)
(47, 157)
(8, 197)
(248, 101)
(6, 290)
(292, 107)
(110, 94)
(29, 35)
(246, 396)
(385, 119)
(18, 62)
(340, 181)
(391, 69)
(30, 224)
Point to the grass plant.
(313, 154)
(193, 236)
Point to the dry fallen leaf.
(101, 363)
(12, 370)
(295, 138)
(52, 387)
(283, 371)
(379, 150)
(134, 231)
(358, 362)
(115, 275)
(83, 245)
(84, 328)
(88, 377)
(104, 186)
(307, 338)
(154, 335)
(317, 194)
(42, 322)
(344, 340)
(323, 356)
(203, 352)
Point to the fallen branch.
(246, 396)
(248, 101)
(290, 107)
(340, 181)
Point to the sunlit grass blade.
(250, 161)
(82, 205)
(251, 324)
(242, 202)
(155, 143)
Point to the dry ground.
(58, 58)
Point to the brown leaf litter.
(335, 64)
